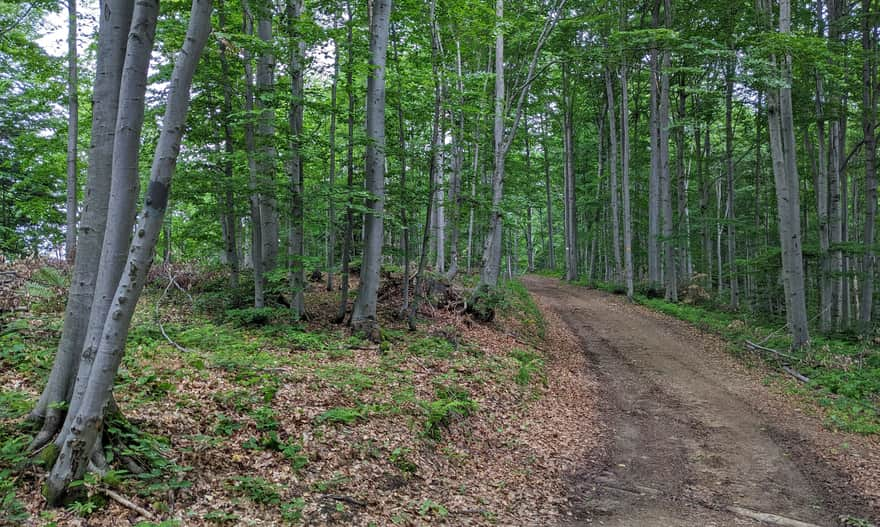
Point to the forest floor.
(693, 431)
(258, 420)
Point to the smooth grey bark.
(838, 10)
(455, 176)
(570, 197)
(821, 190)
(612, 165)
(669, 274)
(124, 186)
(869, 125)
(654, 145)
(230, 218)
(782, 149)
(432, 169)
(624, 167)
(530, 246)
(265, 135)
(331, 200)
(404, 217)
(72, 131)
(491, 267)
(349, 165)
(731, 192)
(113, 29)
(363, 316)
(551, 255)
(78, 445)
(296, 236)
(254, 178)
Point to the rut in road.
(684, 442)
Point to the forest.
(308, 225)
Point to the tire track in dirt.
(683, 444)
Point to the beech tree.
(113, 160)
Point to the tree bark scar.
(157, 195)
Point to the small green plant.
(343, 415)
(265, 418)
(400, 458)
(432, 508)
(432, 347)
(452, 402)
(292, 511)
(226, 425)
(529, 365)
(221, 517)
(258, 490)
(251, 316)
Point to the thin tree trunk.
(331, 200)
(457, 163)
(551, 256)
(869, 124)
(669, 268)
(401, 143)
(571, 224)
(72, 131)
(821, 189)
(253, 177)
(654, 195)
(625, 155)
(295, 248)
(229, 216)
(731, 192)
(612, 165)
(349, 162)
(363, 316)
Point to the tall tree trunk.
(669, 268)
(230, 243)
(253, 176)
(492, 247)
(401, 143)
(87, 424)
(331, 200)
(265, 135)
(457, 164)
(113, 31)
(551, 255)
(624, 165)
(124, 185)
(295, 248)
(432, 169)
(349, 164)
(571, 224)
(654, 196)
(363, 316)
(72, 131)
(782, 148)
(731, 192)
(869, 125)
(530, 246)
(612, 165)
(821, 189)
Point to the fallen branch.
(757, 347)
(125, 502)
(346, 499)
(772, 519)
(794, 373)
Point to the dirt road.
(686, 439)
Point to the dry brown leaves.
(507, 464)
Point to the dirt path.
(685, 440)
